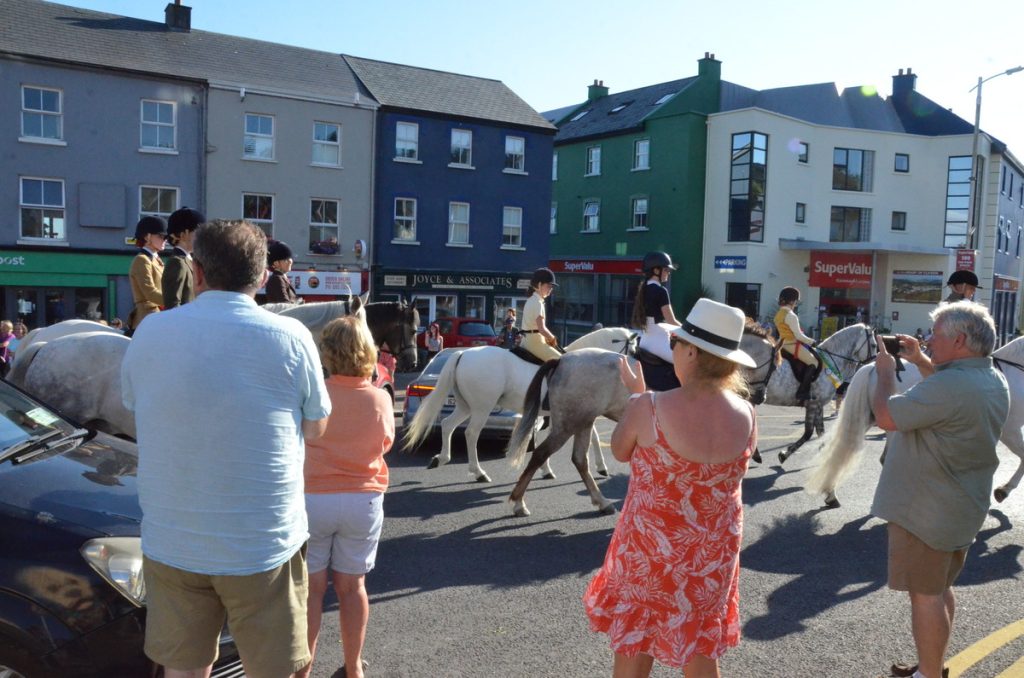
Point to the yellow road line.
(1015, 671)
(986, 646)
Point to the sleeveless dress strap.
(654, 419)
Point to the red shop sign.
(840, 269)
(965, 260)
(627, 267)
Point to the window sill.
(638, 229)
(158, 151)
(323, 166)
(42, 141)
(396, 241)
(597, 174)
(408, 161)
(460, 245)
(513, 248)
(589, 232)
(266, 160)
(522, 173)
(456, 165)
(641, 169)
(51, 242)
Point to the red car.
(460, 332)
(384, 378)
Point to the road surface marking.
(986, 646)
(1015, 671)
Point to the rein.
(852, 358)
(629, 344)
(770, 363)
(999, 362)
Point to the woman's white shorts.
(344, 530)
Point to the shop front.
(443, 294)
(844, 282)
(592, 291)
(43, 288)
(1005, 293)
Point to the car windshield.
(22, 418)
(477, 329)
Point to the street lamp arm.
(1009, 71)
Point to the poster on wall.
(917, 287)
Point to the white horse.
(840, 448)
(485, 377)
(75, 365)
(849, 348)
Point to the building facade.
(462, 184)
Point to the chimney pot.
(901, 72)
(712, 55)
(707, 55)
(909, 72)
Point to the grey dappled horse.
(583, 386)
(841, 446)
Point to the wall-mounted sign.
(335, 283)
(730, 262)
(840, 270)
(917, 287)
(395, 281)
(1004, 284)
(965, 260)
(619, 266)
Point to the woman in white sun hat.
(669, 586)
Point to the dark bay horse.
(394, 323)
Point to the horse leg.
(1015, 441)
(831, 501)
(809, 418)
(539, 456)
(448, 426)
(546, 473)
(476, 424)
(595, 444)
(819, 420)
(580, 446)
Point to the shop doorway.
(841, 307)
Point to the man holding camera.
(937, 479)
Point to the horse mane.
(751, 326)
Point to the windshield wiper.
(36, 445)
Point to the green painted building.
(628, 178)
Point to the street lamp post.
(973, 226)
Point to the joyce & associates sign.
(840, 270)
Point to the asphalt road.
(462, 588)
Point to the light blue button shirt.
(219, 388)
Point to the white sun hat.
(717, 329)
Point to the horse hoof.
(757, 457)
(603, 472)
(1000, 494)
(434, 463)
(483, 478)
(520, 512)
(548, 476)
(832, 503)
(608, 510)
(782, 457)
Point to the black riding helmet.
(184, 219)
(962, 277)
(788, 295)
(149, 225)
(653, 260)
(542, 275)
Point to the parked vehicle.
(499, 423)
(72, 596)
(462, 332)
(383, 378)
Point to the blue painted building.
(462, 190)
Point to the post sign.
(723, 262)
(840, 270)
(965, 259)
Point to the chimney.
(709, 67)
(904, 83)
(178, 17)
(597, 90)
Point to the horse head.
(395, 323)
(757, 343)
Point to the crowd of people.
(265, 497)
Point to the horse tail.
(22, 359)
(426, 415)
(523, 431)
(847, 436)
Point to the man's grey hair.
(233, 254)
(970, 319)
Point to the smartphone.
(892, 343)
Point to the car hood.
(92, 486)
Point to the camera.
(892, 343)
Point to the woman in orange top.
(346, 478)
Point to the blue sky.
(548, 52)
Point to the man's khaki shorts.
(265, 612)
(918, 568)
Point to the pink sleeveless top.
(669, 586)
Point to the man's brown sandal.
(905, 670)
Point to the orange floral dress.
(669, 586)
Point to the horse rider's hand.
(634, 382)
(552, 341)
(884, 361)
(910, 348)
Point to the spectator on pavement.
(346, 478)
(937, 479)
(220, 465)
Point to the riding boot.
(803, 392)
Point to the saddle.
(659, 375)
(800, 368)
(521, 352)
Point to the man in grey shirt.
(937, 478)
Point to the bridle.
(405, 344)
(872, 350)
(770, 363)
(629, 344)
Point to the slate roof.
(639, 103)
(423, 89)
(69, 34)
(820, 103)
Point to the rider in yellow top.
(537, 338)
(794, 341)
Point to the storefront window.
(445, 306)
(573, 307)
(475, 306)
(89, 303)
(501, 306)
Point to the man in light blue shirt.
(224, 393)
